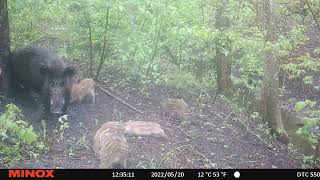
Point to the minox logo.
(32, 173)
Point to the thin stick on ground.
(124, 103)
(213, 165)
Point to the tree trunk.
(103, 51)
(4, 47)
(88, 21)
(271, 95)
(224, 82)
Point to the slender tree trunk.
(224, 82)
(4, 47)
(258, 11)
(103, 51)
(88, 21)
(156, 41)
(271, 95)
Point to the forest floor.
(216, 135)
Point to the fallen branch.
(124, 103)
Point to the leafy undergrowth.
(18, 139)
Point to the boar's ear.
(44, 70)
(70, 71)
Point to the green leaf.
(299, 106)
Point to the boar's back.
(26, 65)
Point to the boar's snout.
(57, 104)
(57, 87)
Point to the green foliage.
(141, 34)
(310, 131)
(302, 104)
(255, 115)
(63, 125)
(155, 40)
(17, 137)
(11, 124)
(44, 126)
(317, 51)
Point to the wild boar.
(110, 146)
(174, 108)
(42, 71)
(83, 89)
(144, 128)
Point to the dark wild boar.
(41, 70)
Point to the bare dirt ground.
(213, 137)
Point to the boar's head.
(56, 88)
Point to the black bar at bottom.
(147, 174)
